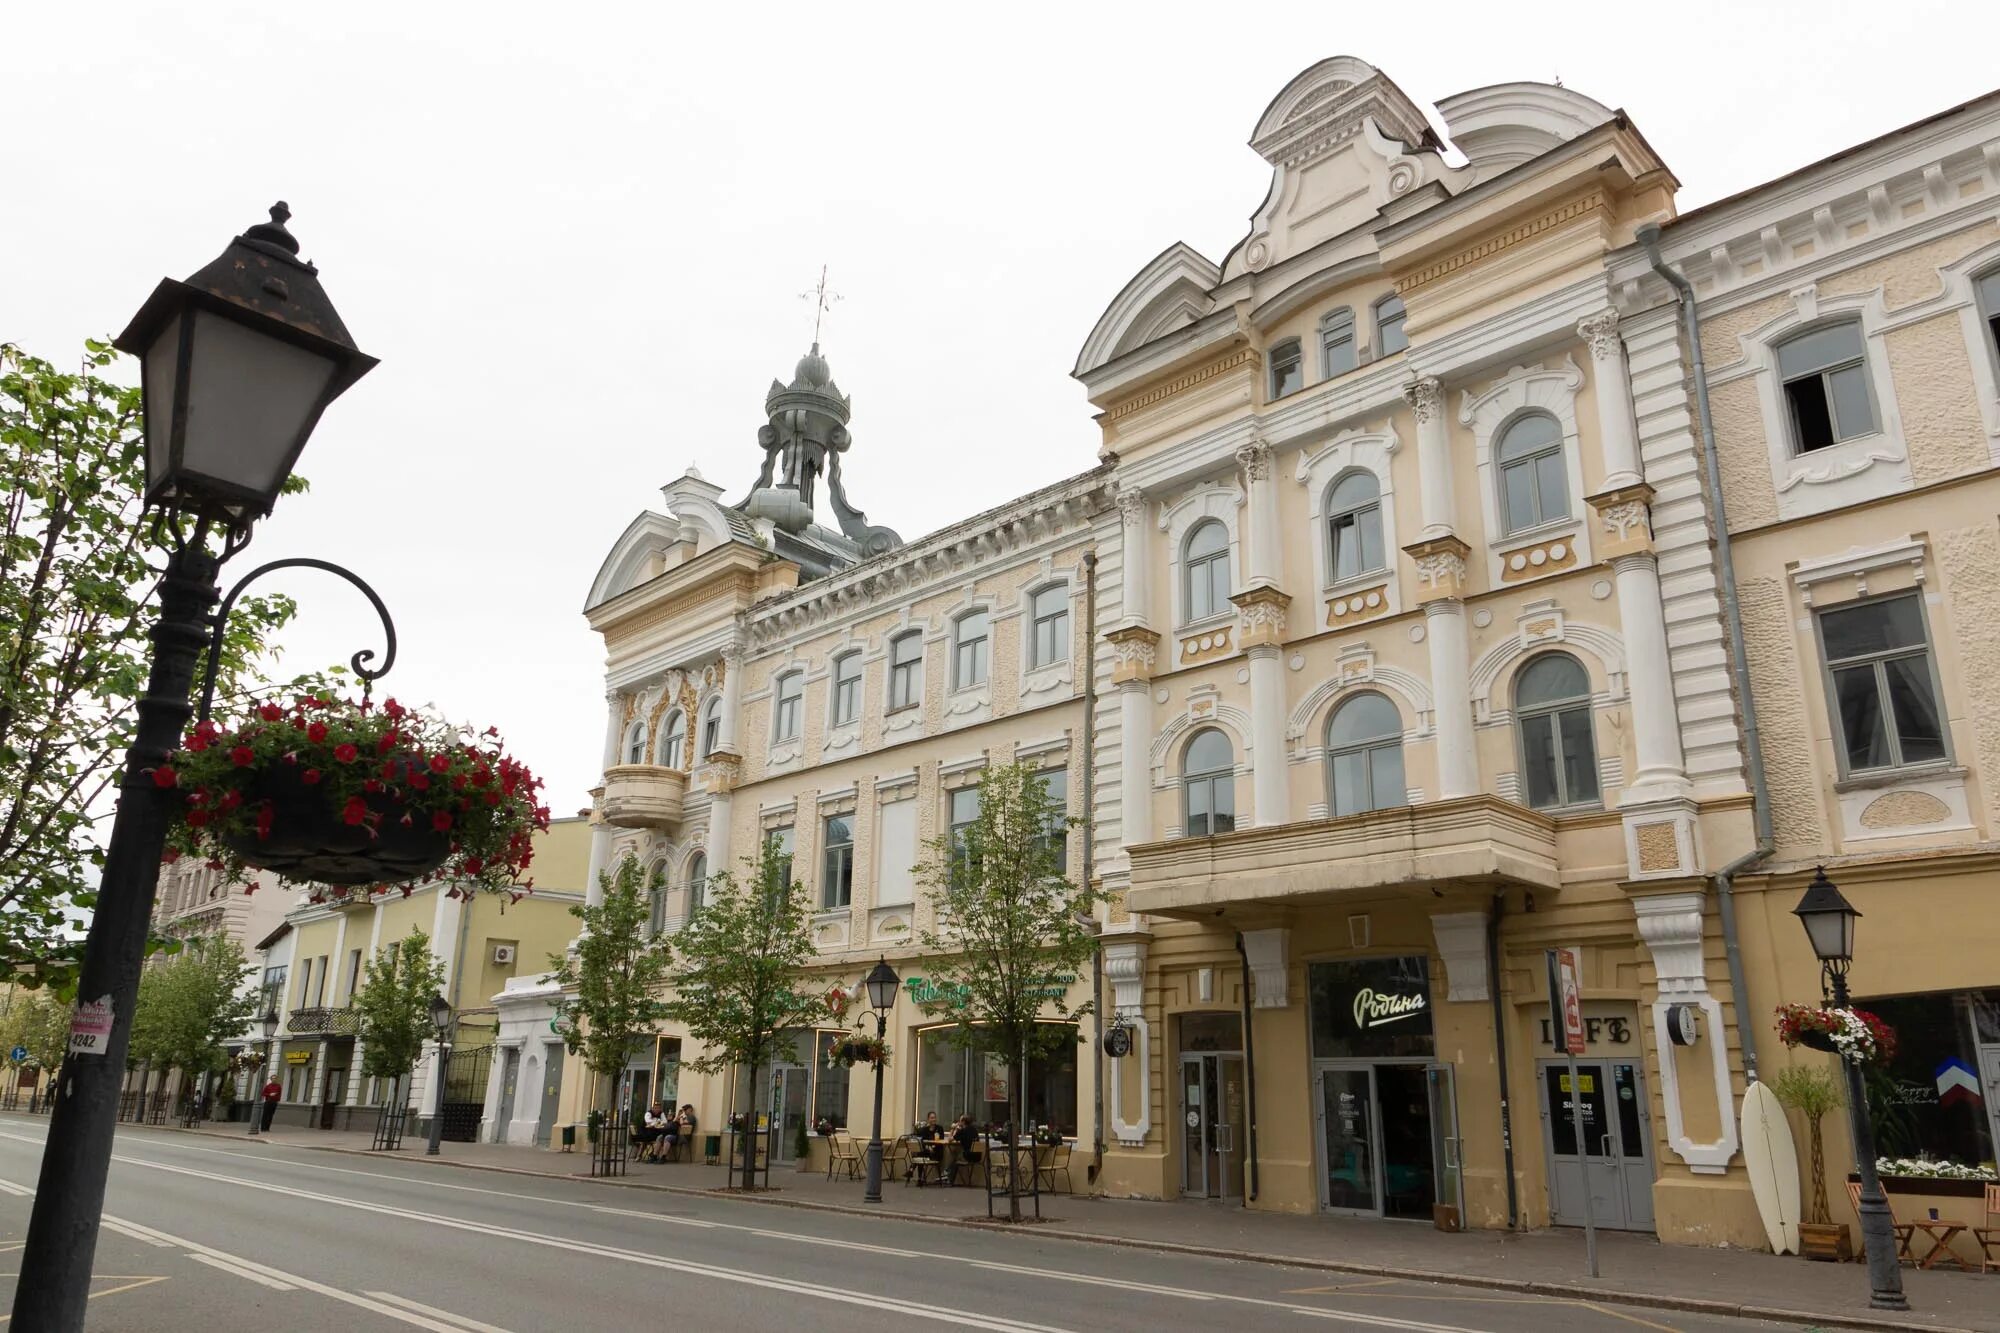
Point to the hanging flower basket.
(337, 792)
(1852, 1034)
(853, 1050)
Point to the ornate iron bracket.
(360, 660)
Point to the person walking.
(273, 1090)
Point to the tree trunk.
(1017, 1109)
(145, 1080)
(748, 1137)
(1820, 1215)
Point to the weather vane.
(822, 300)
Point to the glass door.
(790, 1085)
(1407, 1135)
(1213, 1121)
(1231, 1123)
(1612, 1161)
(1347, 1129)
(1194, 1128)
(1446, 1145)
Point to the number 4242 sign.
(90, 1027)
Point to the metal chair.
(843, 1154)
(1056, 1162)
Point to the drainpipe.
(1089, 860)
(1753, 746)
(1500, 1057)
(1249, 1074)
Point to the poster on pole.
(90, 1027)
(1565, 1001)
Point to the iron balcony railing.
(325, 1021)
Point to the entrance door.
(790, 1086)
(330, 1100)
(1614, 1161)
(551, 1093)
(1347, 1128)
(1405, 1130)
(1446, 1155)
(510, 1073)
(1213, 1120)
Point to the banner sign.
(1566, 1001)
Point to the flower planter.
(1940, 1187)
(310, 841)
(1815, 1040)
(1825, 1240)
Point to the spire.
(803, 440)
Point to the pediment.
(1170, 292)
(639, 554)
(1506, 124)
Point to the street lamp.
(881, 984)
(269, 1022)
(236, 365)
(441, 1020)
(1829, 921)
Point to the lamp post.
(269, 1022)
(441, 1020)
(881, 983)
(1829, 921)
(236, 366)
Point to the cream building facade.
(1414, 657)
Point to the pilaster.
(1617, 431)
(1671, 926)
(1136, 565)
(1425, 396)
(1262, 611)
(1264, 563)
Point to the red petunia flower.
(346, 754)
(355, 811)
(196, 742)
(164, 776)
(197, 818)
(270, 712)
(309, 777)
(315, 731)
(243, 756)
(371, 785)
(441, 820)
(419, 780)
(230, 799)
(388, 741)
(473, 865)
(392, 708)
(440, 763)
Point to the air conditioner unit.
(503, 953)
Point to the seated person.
(651, 1131)
(965, 1135)
(685, 1123)
(930, 1137)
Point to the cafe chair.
(1988, 1236)
(843, 1156)
(1939, 1233)
(1056, 1163)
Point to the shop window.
(790, 704)
(1880, 681)
(1927, 1102)
(1364, 756)
(1825, 376)
(1558, 748)
(1354, 526)
(1533, 488)
(672, 737)
(1209, 785)
(1336, 342)
(1049, 610)
(1287, 368)
(836, 883)
(831, 1085)
(1389, 335)
(906, 670)
(1205, 571)
(846, 688)
(974, 1080)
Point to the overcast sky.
(576, 236)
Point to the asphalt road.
(205, 1235)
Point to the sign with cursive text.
(1371, 1008)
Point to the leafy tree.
(612, 979)
(1012, 934)
(77, 571)
(394, 1005)
(192, 1004)
(1814, 1092)
(38, 1021)
(737, 983)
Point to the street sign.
(18, 1055)
(1566, 1003)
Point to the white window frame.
(1961, 283)
(710, 732)
(1214, 779)
(1501, 467)
(1031, 631)
(1367, 748)
(1837, 732)
(826, 846)
(1586, 703)
(1223, 556)
(633, 751)
(696, 885)
(673, 732)
(1290, 350)
(1371, 451)
(1551, 390)
(982, 657)
(788, 725)
(915, 669)
(1402, 324)
(833, 690)
(1209, 500)
(1331, 324)
(1796, 444)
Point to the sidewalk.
(1636, 1270)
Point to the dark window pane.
(1222, 799)
(1538, 760)
(1820, 349)
(1859, 703)
(1851, 408)
(1872, 628)
(1389, 326)
(1346, 547)
(1517, 490)
(1350, 782)
(1919, 730)
(1286, 376)
(1527, 435)
(1197, 807)
(1365, 717)
(1370, 522)
(1812, 423)
(1579, 756)
(1551, 678)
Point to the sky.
(577, 237)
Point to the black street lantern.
(441, 1017)
(1829, 921)
(882, 983)
(236, 365)
(441, 1020)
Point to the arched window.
(1287, 368)
(1533, 488)
(1049, 612)
(1389, 336)
(788, 706)
(1354, 526)
(1336, 342)
(1825, 376)
(697, 885)
(971, 650)
(1364, 755)
(1205, 570)
(711, 727)
(672, 736)
(656, 898)
(1558, 751)
(1208, 780)
(635, 743)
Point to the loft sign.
(1373, 1008)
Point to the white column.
(1135, 769)
(1267, 736)
(1434, 491)
(600, 861)
(732, 694)
(1451, 681)
(1263, 562)
(1656, 732)
(719, 804)
(614, 727)
(1136, 563)
(1617, 432)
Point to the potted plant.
(330, 792)
(823, 1126)
(1814, 1092)
(1852, 1034)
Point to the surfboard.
(1772, 1160)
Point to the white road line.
(18, 1191)
(248, 1275)
(458, 1320)
(137, 1234)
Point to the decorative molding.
(1125, 970)
(1261, 612)
(1461, 943)
(1671, 926)
(1595, 201)
(1222, 365)
(1858, 563)
(1269, 954)
(1135, 652)
(1425, 395)
(1440, 563)
(1600, 333)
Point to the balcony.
(325, 1021)
(1475, 840)
(643, 796)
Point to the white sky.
(575, 235)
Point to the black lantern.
(441, 1017)
(270, 1022)
(1829, 920)
(236, 365)
(882, 983)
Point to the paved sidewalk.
(1635, 1269)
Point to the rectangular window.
(906, 671)
(1336, 343)
(830, 1083)
(780, 839)
(319, 982)
(846, 688)
(1883, 691)
(1926, 1101)
(1050, 609)
(1825, 375)
(274, 989)
(836, 884)
(1389, 336)
(305, 983)
(353, 973)
(790, 703)
(970, 655)
(963, 814)
(896, 851)
(1287, 373)
(1056, 782)
(711, 731)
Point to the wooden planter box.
(1825, 1240)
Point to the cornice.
(1593, 200)
(1145, 398)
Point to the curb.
(1524, 1287)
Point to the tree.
(737, 979)
(1814, 1092)
(192, 1004)
(394, 1006)
(37, 1020)
(76, 583)
(1011, 935)
(612, 979)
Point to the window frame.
(841, 686)
(1206, 562)
(900, 672)
(1286, 354)
(787, 834)
(1835, 729)
(953, 824)
(1794, 439)
(673, 732)
(656, 899)
(1557, 449)
(1357, 512)
(1555, 710)
(697, 884)
(1060, 647)
(1211, 780)
(979, 672)
(711, 728)
(1367, 748)
(1987, 311)
(788, 706)
(1402, 314)
(836, 880)
(1337, 328)
(633, 752)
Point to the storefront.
(1930, 1099)
(800, 1089)
(1385, 1106)
(1615, 1158)
(1214, 1116)
(955, 1080)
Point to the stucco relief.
(1775, 676)
(1941, 421)
(1746, 472)
(1904, 809)
(1969, 559)
(1911, 275)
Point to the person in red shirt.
(272, 1092)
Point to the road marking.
(18, 1191)
(456, 1319)
(134, 1233)
(132, 1282)
(248, 1275)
